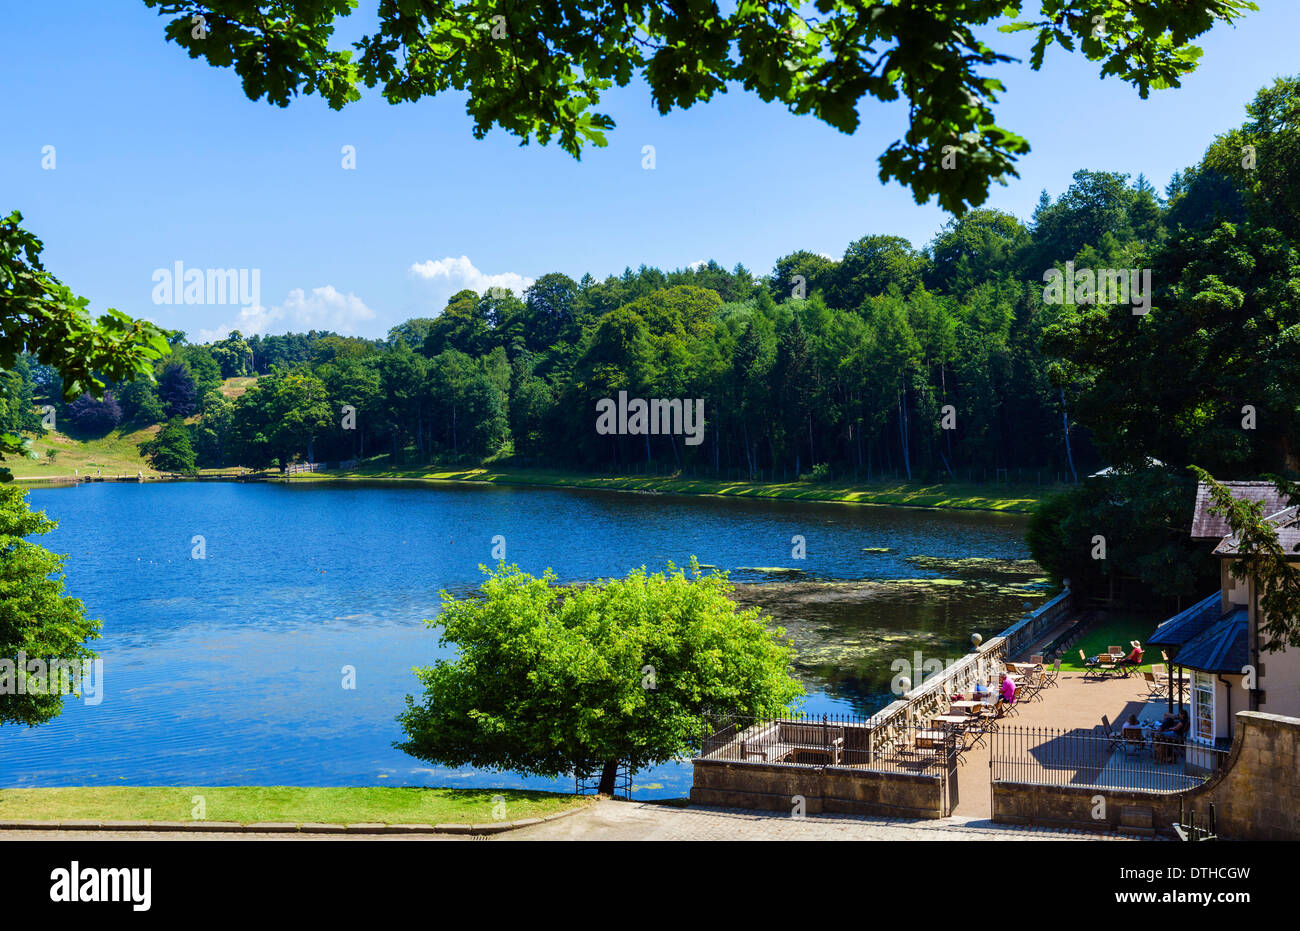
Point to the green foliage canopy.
(547, 680)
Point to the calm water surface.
(227, 670)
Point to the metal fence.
(1132, 761)
(837, 740)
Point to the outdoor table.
(931, 739)
(969, 705)
(1130, 731)
(957, 720)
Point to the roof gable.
(1207, 526)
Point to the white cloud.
(324, 309)
(439, 279)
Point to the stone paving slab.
(622, 820)
(608, 820)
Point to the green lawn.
(248, 804)
(990, 497)
(1116, 629)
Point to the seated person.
(1134, 657)
(1008, 689)
(1175, 726)
(1132, 721)
(1171, 733)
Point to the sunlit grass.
(249, 804)
(1012, 498)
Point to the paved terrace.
(1075, 703)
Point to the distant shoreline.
(1012, 499)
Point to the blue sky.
(161, 159)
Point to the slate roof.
(1223, 647)
(1287, 522)
(1207, 526)
(1187, 625)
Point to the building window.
(1203, 706)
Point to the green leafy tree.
(538, 70)
(279, 418)
(36, 618)
(549, 680)
(871, 266)
(140, 402)
(171, 450)
(1143, 516)
(40, 316)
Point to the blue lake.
(227, 670)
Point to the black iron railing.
(840, 740)
(1130, 760)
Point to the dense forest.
(944, 362)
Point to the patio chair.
(982, 723)
(1037, 659)
(1051, 675)
(1115, 651)
(1113, 739)
(1126, 665)
(1161, 674)
(1155, 688)
(1030, 687)
(1095, 669)
(1133, 741)
(1011, 709)
(989, 715)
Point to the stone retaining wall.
(825, 789)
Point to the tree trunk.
(607, 777)
(748, 459)
(902, 431)
(1065, 420)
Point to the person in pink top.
(1008, 690)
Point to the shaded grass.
(249, 804)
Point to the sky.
(160, 159)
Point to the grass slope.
(116, 453)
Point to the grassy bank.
(991, 497)
(250, 804)
(117, 454)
